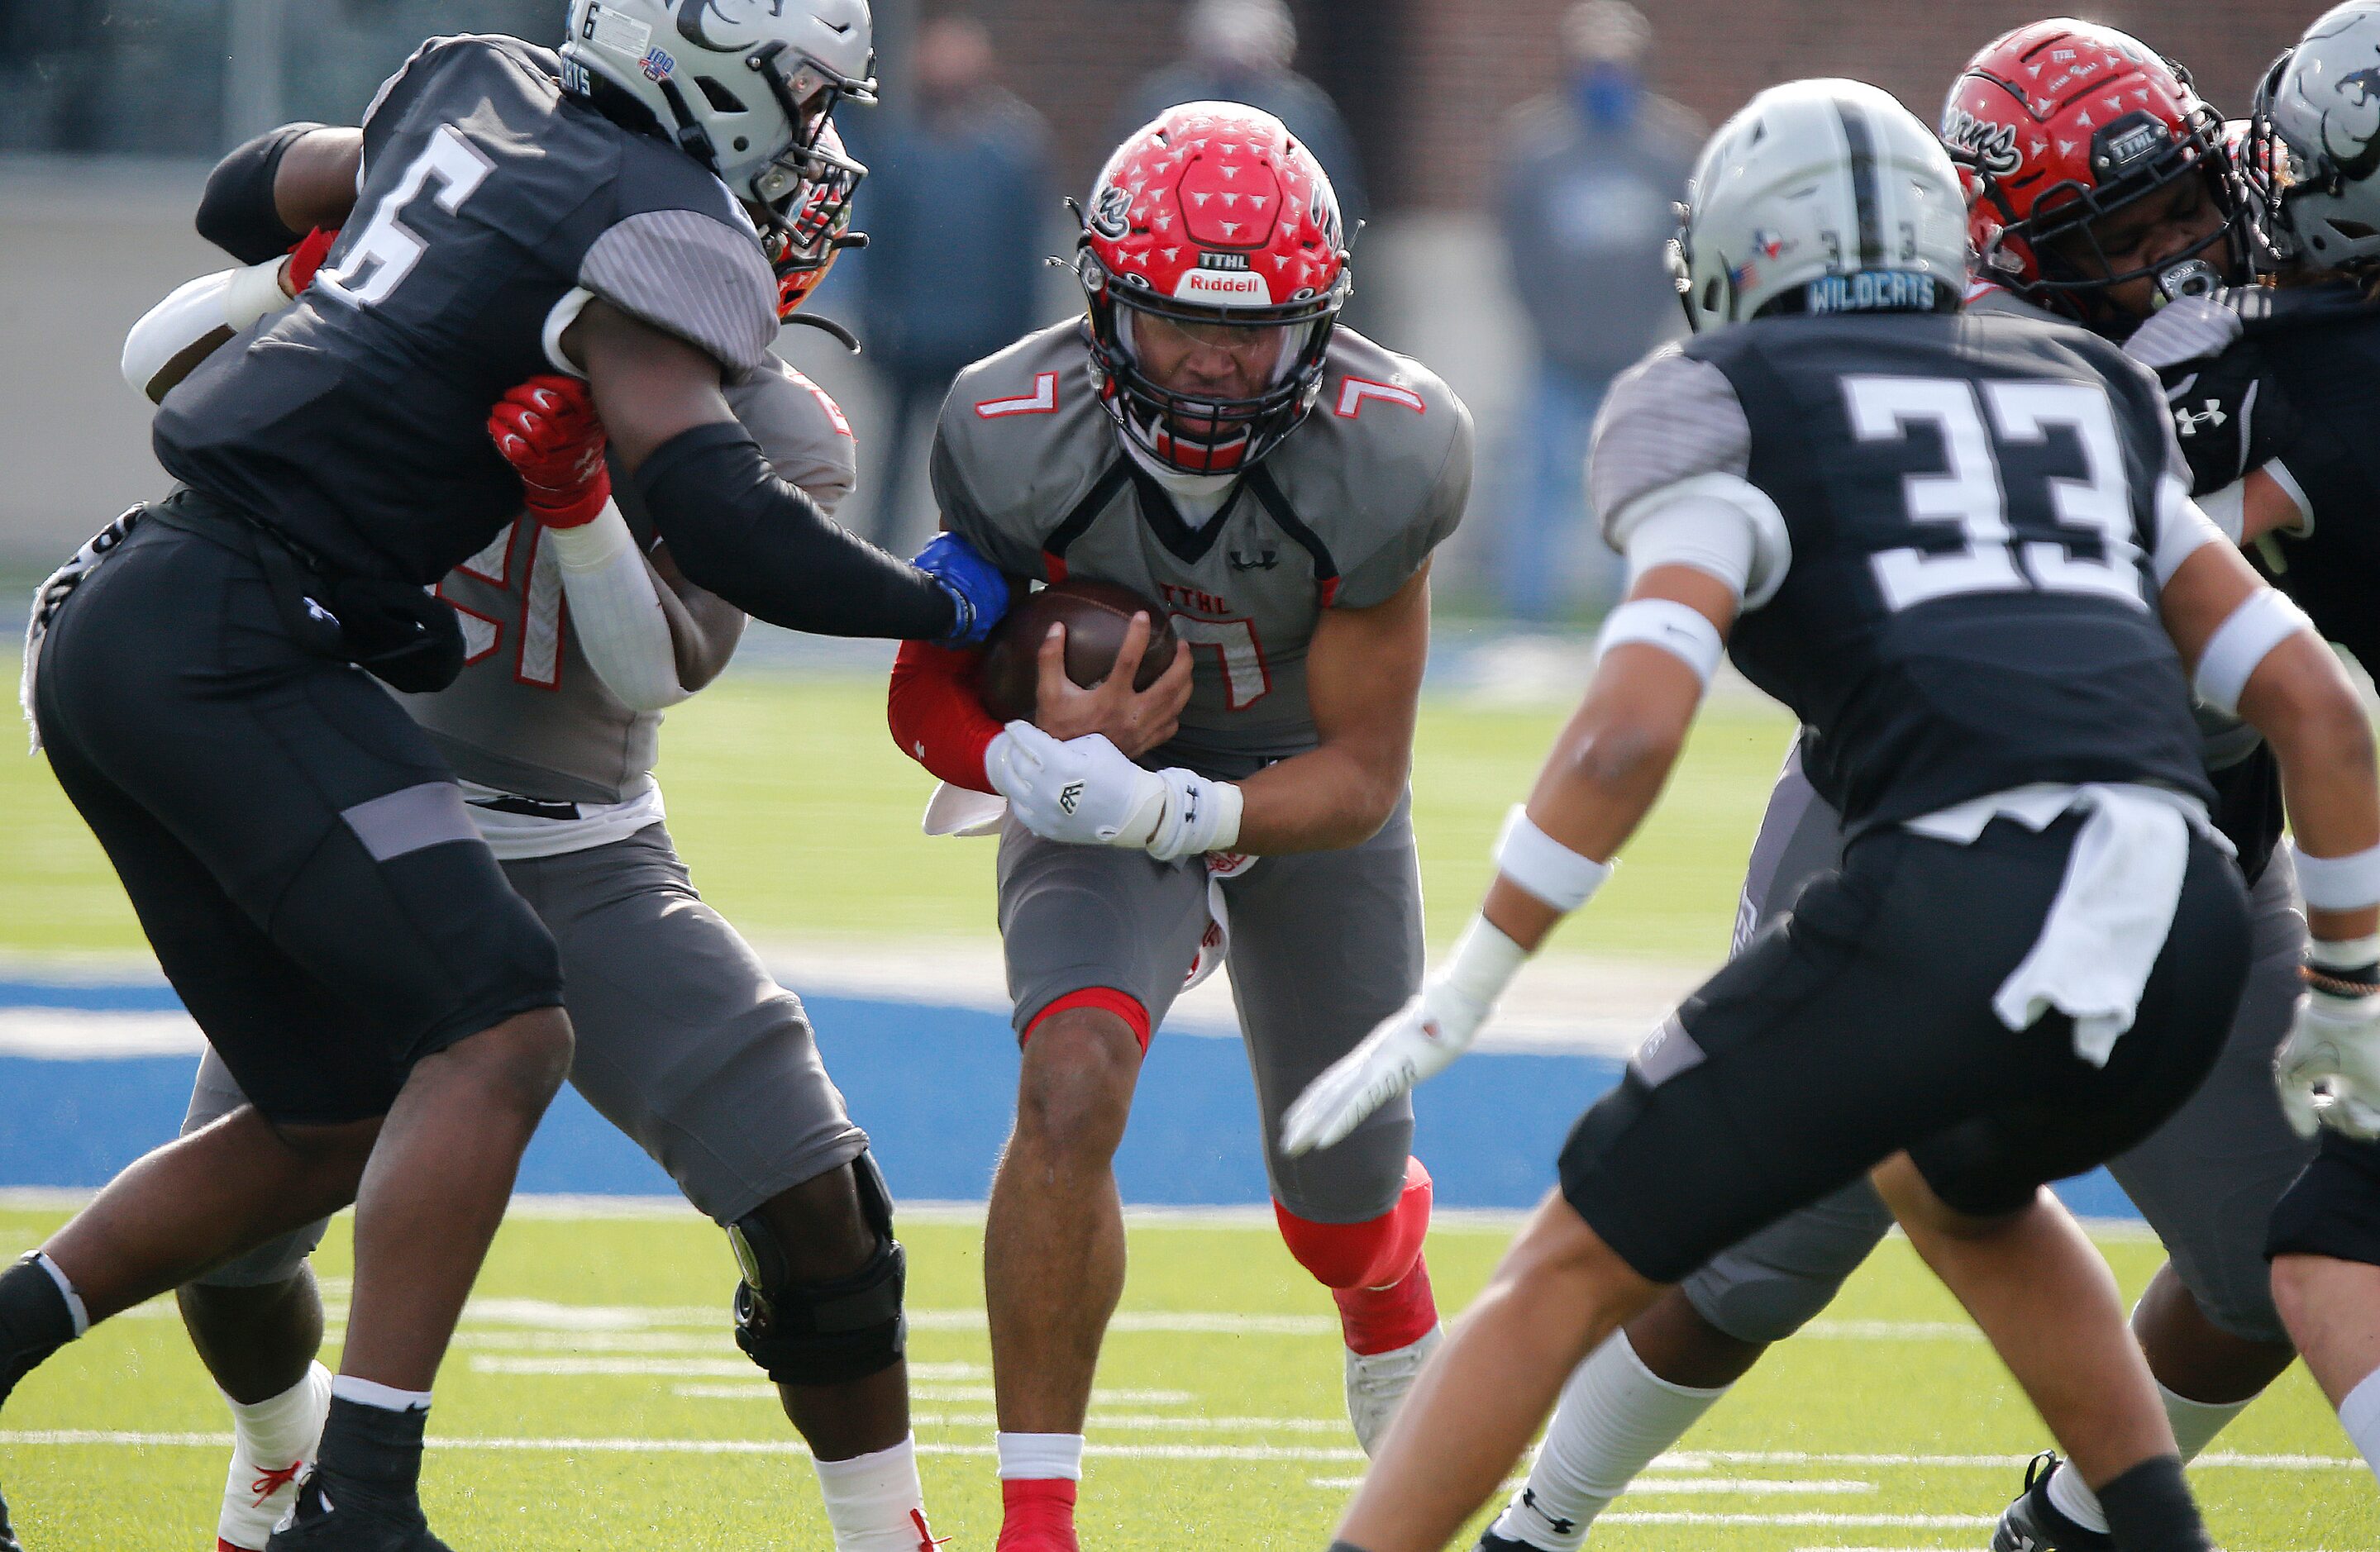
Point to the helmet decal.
(1992, 145)
(2350, 122)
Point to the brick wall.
(1713, 54)
(1424, 83)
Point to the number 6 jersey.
(1973, 506)
(1029, 468)
(491, 205)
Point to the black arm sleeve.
(764, 546)
(236, 212)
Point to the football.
(1096, 616)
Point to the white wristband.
(1483, 964)
(2344, 883)
(1684, 632)
(2264, 620)
(1544, 867)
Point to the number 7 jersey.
(1029, 468)
(1973, 506)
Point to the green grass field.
(798, 816)
(594, 1401)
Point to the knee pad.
(822, 1333)
(1372, 1254)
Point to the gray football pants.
(2206, 1181)
(1324, 945)
(685, 1043)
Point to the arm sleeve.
(739, 531)
(936, 715)
(236, 212)
(689, 275)
(802, 432)
(616, 606)
(1668, 419)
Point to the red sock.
(1383, 1320)
(1036, 1514)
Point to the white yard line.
(1696, 1516)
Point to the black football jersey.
(1971, 504)
(2317, 348)
(355, 423)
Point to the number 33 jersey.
(490, 205)
(1973, 506)
(1030, 469)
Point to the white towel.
(954, 810)
(2108, 922)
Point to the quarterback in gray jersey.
(2208, 1179)
(1275, 485)
(577, 637)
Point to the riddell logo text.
(1215, 284)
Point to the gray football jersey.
(528, 716)
(1028, 467)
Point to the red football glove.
(546, 428)
(306, 258)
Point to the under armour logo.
(1263, 561)
(1069, 796)
(1554, 1522)
(2187, 421)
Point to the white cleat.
(1376, 1383)
(256, 1494)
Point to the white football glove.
(2328, 1069)
(1084, 792)
(1081, 790)
(1416, 1042)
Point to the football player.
(1948, 542)
(581, 631)
(2305, 351)
(2099, 192)
(1209, 437)
(299, 853)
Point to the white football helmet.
(744, 87)
(2313, 147)
(1821, 196)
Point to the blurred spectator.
(1590, 178)
(955, 206)
(1238, 51)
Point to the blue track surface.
(932, 1084)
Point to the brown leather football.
(1096, 616)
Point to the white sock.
(1615, 1416)
(2360, 1415)
(270, 1437)
(66, 1290)
(373, 1393)
(1039, 1456)
(874, 1502)
(2195, 1425)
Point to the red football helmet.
(1212, 217)
(812, 223)
(2060, 123)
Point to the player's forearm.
(615, 608)
(761, 544)
(265, 195)
(2300, 700)
(1326, 799)
(704, 629)
(1605, 774)
(191, 323)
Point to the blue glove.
(978, 592)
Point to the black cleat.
(357, 1522)
(8, 1542)
(1488, 1542)
(2032, 1523)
